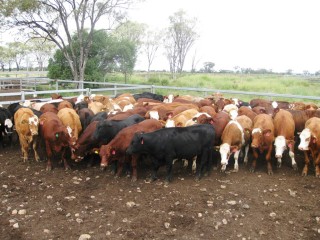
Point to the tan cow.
(27, 129)
(71, 120)
(310, 143)
(262, 139)
(284, 128)
(235, 136)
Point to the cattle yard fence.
(15, 90)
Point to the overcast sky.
(270, 34)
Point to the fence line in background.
(115, 88)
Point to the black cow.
(6, 125)
(148, 95)
(101, 132)
(167, 144)
(106, 130)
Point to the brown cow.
(310, 143)
(181, 119)
(262, 139)
(64, 104)
(55, 136)
(71, 120)
(116, 148)
(27, 129)
(284, 135)
(49, 107)
(247, 111)
(235, 136)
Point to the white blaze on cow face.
(154, 115)
(127, 107)
(225, 153)
(170, 123)
(274, 104)
(305, 137)
(280, 146)
(33, 124)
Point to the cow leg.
(236, 164)
(246, 150)
(279, 162)
(49, 155)
(65, 163)
(317, 163)
(24, 149)
(119, 168)
(35, 147)
(254, 161)
(134, 160)
(306, 164)
(293, 162)
(169, 170)
(268, 159)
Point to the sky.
(269, 34)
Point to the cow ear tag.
(113, 152)
(142, 141)
(57, 135)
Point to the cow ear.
(113, 152)
(247, 131)
(24, 121)
(266, 132)
(313, 139)
(276, 110)
(233, 149)
(290, 143)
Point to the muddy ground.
(83, 202)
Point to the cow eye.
(307, 139)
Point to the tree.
(53, 20)
(107, 54)
(17, 52)
(208, 67)
(41, 49)
(181, 35)
(151, 45)
(194, 62)
(2, 58)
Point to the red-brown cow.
(116, 148)
(284, 135)
(49, 107)
(55, 136)
(27, 129)
(247, 111)
(235, 136)
(310, 143)
(262, 139)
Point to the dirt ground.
(87, 202)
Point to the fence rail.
(112, 89)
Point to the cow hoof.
(252, 170)
(67, 168)
(102, 168)
(134, 179)
(166, 182)
(197, 179)
(279, 165)
(295, 167)
(303, 174)
(116, 176)
(270, 173)
(49, 169)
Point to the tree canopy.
(59, 20)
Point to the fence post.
(57, 85)
(23, 97)
(88, 91)
(115, 90)
(152, 89)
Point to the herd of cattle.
(200, 130)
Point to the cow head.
(258, 135)
(305, 139)
(8, 127)
(280, 146)
(33, 125)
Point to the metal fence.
(112, 89)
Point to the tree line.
(93, 37)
